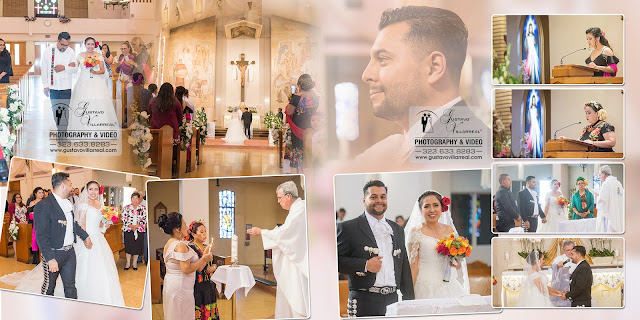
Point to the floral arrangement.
(272, 121)
(110, 215)
(562, 201)
(140, 138)
(501, 74)
(528, 245)
(10, 120)
(63, 19)
(456, 248)
(599, 248)
(29, 19)
(186, 133)
(90, 62)
(494, 280)
(200, 122)
(13, 230)
(371, 250)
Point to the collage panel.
(414, 243)
(76, 233)
(557, 272)
(558, 49)
(195, 232)
(559, 123)
(559, 198)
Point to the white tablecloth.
(578, 226)
(466, 304)
(211, 130)
(235, 278)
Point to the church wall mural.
(190, 61)
(293, 53)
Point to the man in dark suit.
(371, 251)
(529, 205)
(56, 231)
(581, 280)
(280, 114)
(506, 208)
(247, 117)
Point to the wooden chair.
(343, 294)
(114, 237)
(479, 278)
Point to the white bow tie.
(382, 228)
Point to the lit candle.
(234, 248)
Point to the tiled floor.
(132, 282)
(218, 160)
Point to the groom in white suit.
(290, 258)
(58, 65)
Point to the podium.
(574, 149)
(577, 74)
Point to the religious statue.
(242, 65)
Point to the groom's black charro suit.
(353, 236)
(50, 225)
(580, 287)
(526, 207)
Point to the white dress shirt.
(67, 207)
(382, 232)
(534, 194)
(61, 80)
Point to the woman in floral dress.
(204, 290)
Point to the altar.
(606, 290)
(578, 226)
(255, 122)
(472, 303)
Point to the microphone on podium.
(555, 134)
(571, 54)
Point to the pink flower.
(114, 219)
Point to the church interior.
(521, 130)
(604, 255)
(252, 203)
(26, 175)
(227, 53)
(469, 191)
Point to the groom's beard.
(376, 212)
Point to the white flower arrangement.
(186, 133)
(13, 230)
(140, 138)
(10, 120)
(200, 122)
(371, 250)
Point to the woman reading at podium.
(600, 134)
(601, 56)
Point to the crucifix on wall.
(242, 65)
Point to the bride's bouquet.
(110, 215)
(90, 62)
(455, 249)
(562, 201)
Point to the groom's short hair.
(64, 35)
(58, 178)
(581, 250)
(373, 183)
(529, 178)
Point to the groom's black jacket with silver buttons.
(353, 236)
(50, 226)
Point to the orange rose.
(468, 253)
(453, 251)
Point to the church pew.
(114, 237)
(4, 239)
(161, 152)
(191, 162)
(24, 243)
(343, 295)
(307, 150)
(156, 281)
(198, 148)
(180, 167)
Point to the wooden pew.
(24, 243)
(161, 152)
(343, 295)
(114, 237)
(156, 281)
(198, 148)
(191, 162)
(4, 239)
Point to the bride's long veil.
(81, 206)
(415, 221)
(528, 288)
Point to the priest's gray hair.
(568, 242)
(288, 187)
(606, 170)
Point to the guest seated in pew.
(154, 90)
(165, 109)
(180, 92)
(600, 134)
(601, 56)
(137, 93)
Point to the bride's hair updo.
(554, 181)
(533, 258)
(91, 182)
(169, 222)
(89, 38)
(430, 193)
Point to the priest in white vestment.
(610, 203)
(562, 269)
(290, 258)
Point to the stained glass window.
(227, 213)
(46, 8)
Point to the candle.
(234, 248)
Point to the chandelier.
(113, 3)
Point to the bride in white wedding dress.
(429, 222)
(535, 290)
(235, 133)
(553, 212)
(91, 105)
(96, 273)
